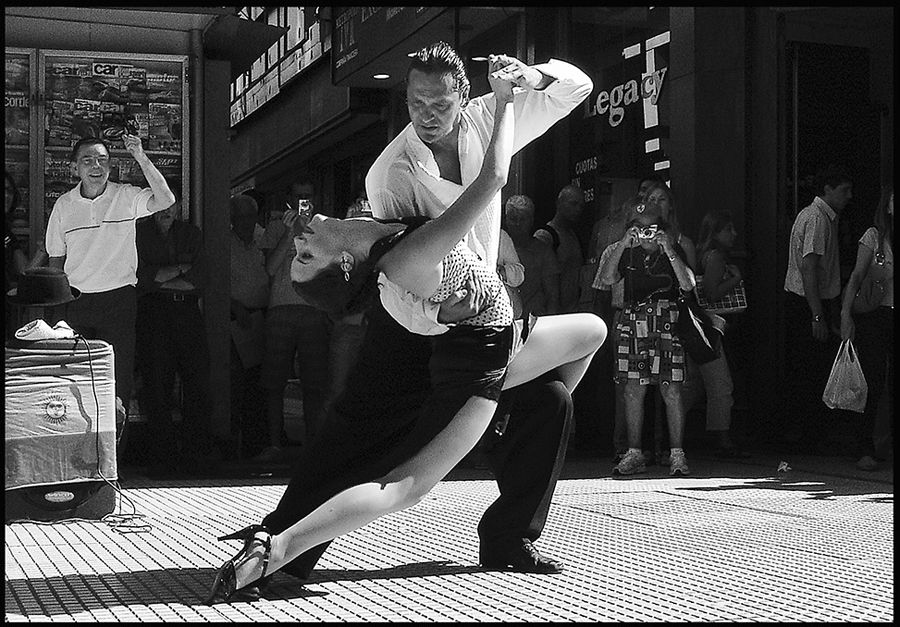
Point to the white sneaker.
(630, 464)
(678, 464)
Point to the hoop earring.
(346, 264)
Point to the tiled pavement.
(733, 542)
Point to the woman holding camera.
(648, 352)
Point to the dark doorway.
(831, 120)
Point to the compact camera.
(304, 207)
(648, 232)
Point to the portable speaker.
(60, 429)
(83, 499)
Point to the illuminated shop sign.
(615, 100)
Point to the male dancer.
(421, 172)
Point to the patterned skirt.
(647, 349)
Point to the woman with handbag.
(648, 351)
(720, 276)
(867, 315)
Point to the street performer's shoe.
(519, 556)
(225, 585)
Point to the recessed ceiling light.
(381, 77)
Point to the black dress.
(403, 390)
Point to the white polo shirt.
(405, 179)
(97, 237)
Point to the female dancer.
(337, 262)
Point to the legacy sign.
(615, 100)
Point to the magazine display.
(106, 98)
(52, 99)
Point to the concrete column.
(707, 80)
(766, 242)
(216, 149)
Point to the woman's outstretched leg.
(359, 505)
(566, 342)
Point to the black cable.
(119, 522)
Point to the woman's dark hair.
(441, 58)
(883, 221)
(329, 292)
(712, 224)
(17, 196)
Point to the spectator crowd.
(630, 270)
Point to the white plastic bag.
(846, 387)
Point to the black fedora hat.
(43, 287)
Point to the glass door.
(20, 141)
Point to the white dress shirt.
(405, 179)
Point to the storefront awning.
(157, 29)
(242, 42)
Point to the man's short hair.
(441, 58)
(831, 175)
(87, 141)
(570, 193)
(519, 204)
(243, 203)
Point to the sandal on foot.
(225, 584)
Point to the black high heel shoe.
(225, 584)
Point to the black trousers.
(379, 422)
(108, 316)
(171, 337)
(874, 344)
(804, 417)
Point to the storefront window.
(623, 133)
(18, 86)
(105, 96)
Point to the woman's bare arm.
(411, 263)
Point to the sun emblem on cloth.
(55, 409)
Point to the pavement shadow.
(286, 587)
(78, 593)
(403, 571)
(816, 490)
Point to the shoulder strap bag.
(871, 288)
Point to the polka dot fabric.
(459, 264)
